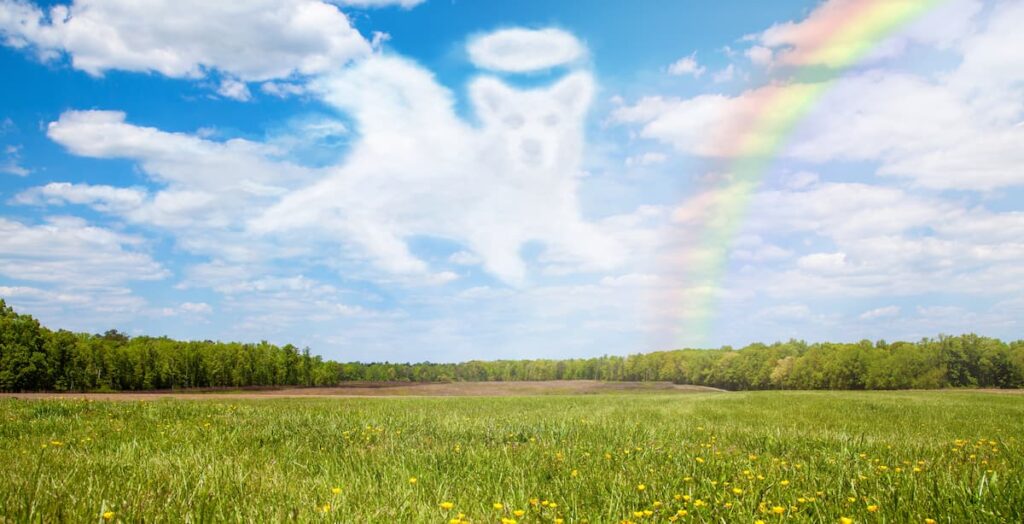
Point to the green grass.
(277, 460)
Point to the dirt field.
(396, 389)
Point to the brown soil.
(396, 389)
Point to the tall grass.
(743, 457)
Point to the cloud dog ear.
(574, 92)
(489, 96)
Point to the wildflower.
(412, 480)
(737, 491)
(784, 483)
(574, 473)
(559, 521)
(759, 521)
(447, 505)
(336, 490)
(519, 513)
(778, 510)
(845, 520)
(505, 520)
(107, 515)
(325, 508)
(640, 487)
(682, 513)
(929, 521)
(872, 508)
(498, 505)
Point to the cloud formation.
(519, 50)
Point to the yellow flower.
(559, 521)
(498, 505)
(929, 521)
(575, 473)
(508, 521)
(640, 487)
(845, 520)
(638, 514)
(784, 483)
(737, 491)
(519, 513)
(872, 508)
(336, 490)
(682, 513)
(107, 515)
(552, 505)
(447, 505)
(325, 508)
(778, 510)
(759, 521)
(412, 480)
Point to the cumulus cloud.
(518, 50)
(882, 312)
(206, 182)
(687, 65)
(70, 252)
(826, 37)
(252, 41)
(418, 169)
(957, 130)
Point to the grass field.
(640, 457)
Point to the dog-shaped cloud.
(418, 169)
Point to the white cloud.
(724, 75)
(759, 55)
(882, 312)
(954, 130)
(68, 251)
(827, 37)
(686, 65)
(103, 198)
(405, 4)
(195, 308)
(646, 159)
(234, 89)
(518, 50)
(418, 169)
(208, 183)
(253, 40)
(11, 160)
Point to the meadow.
(949, 456)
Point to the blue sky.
(432, 180)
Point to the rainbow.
(845, 33)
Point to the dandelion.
(784, 483)
(505, 520)
(778, 510)
(929, 521)
(108, 515)
(641, 487)
(519, 513)
(845, 520)
(325, 508)
(412, 480)
(447, 505)
(498, 505)
(737, 491)
(872, 508)
(336, 490)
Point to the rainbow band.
(860, 25)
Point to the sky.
(411, 180)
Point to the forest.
(35, 358)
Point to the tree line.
(35, 358)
